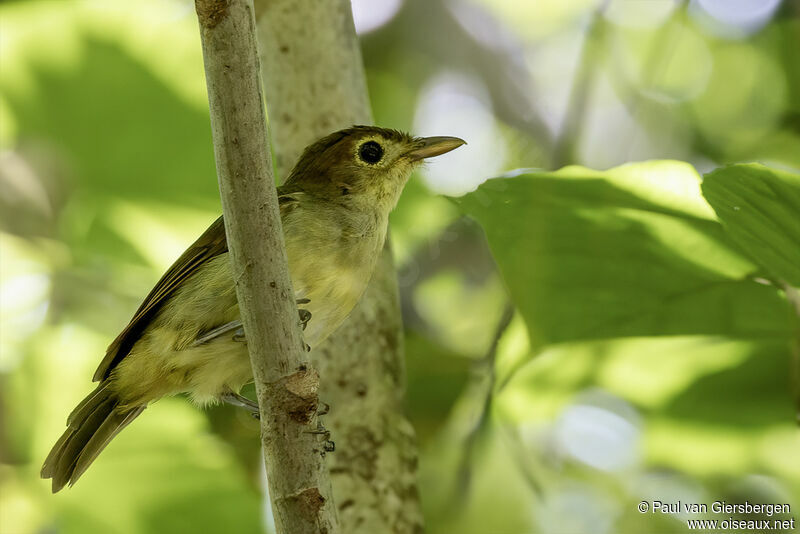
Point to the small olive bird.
(187, 335)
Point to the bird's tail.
(90, 427)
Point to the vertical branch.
(314, 83)
(286, 385)
(312, 73)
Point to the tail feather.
(112, 426)
(80, 437)
(91, 426)
(87, 405)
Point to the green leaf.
(760, 208)
(633, 251)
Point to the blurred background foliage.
(581, 341)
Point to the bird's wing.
(209, 245)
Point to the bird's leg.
(305, 316)
(219, 331)
(234, 399)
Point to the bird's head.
(365, 164)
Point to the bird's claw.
(305, 315)
(238, 335)
(327, 444)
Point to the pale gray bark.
(314, 83)
(286, 385)
(312, 73)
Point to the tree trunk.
(314, 82)
(286, 385)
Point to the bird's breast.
(330, 265)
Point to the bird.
(187, 336)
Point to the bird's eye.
(370, 152)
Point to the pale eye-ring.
(370, 152)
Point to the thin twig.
(484, 373)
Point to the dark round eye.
(371, 152)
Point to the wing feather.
(209, 245)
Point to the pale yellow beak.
(428, 147)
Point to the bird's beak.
(428, 147)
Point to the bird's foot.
(327, 444)
(238, 334)
(234, 399)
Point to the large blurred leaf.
(125, 132)
(633, 251)
(760, 207)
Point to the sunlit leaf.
(630, 286)
(760, 207)
(633, 251)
